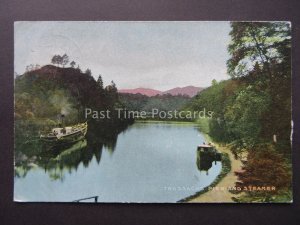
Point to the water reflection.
(134, 166)
(205, 160)
(56, 160)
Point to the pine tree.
(88, 72)
(100, 82)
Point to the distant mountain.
(188, 90)
(144, 91)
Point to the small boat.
(206, 148)
(66, 135)
(209, 149)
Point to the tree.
(54, 59)
(60, 60)
(261, 55)
(112, 92)
(64, 60)
(214, 82)
(72, 64)
(57, 59)
(100, 82)
(265, 167)
(88, 72)
(30, 67)
(113, 86)
(243, 118)
(260, 43)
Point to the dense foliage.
(266, 167)
(253, 108)
(50, 91)
(44, 94)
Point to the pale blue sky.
(159, 55)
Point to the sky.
(158, 55)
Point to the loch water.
(148, 162)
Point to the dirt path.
(218, 195)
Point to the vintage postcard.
(152, 112)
